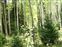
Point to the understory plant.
(16, 42)
(49, 33)
(2, 40)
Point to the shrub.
(2, 40)
(49, 34)
(16, 42)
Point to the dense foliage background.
(31, 23)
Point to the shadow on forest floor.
(59, 44)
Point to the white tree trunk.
(17, 16)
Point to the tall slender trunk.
(31, 14)
(0, 16)
(39, 14)
(17, 15)
(9, 22)
(5, 18)
(43, 15)
(59, 10)
(24, 12)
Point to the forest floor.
(56, 45)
